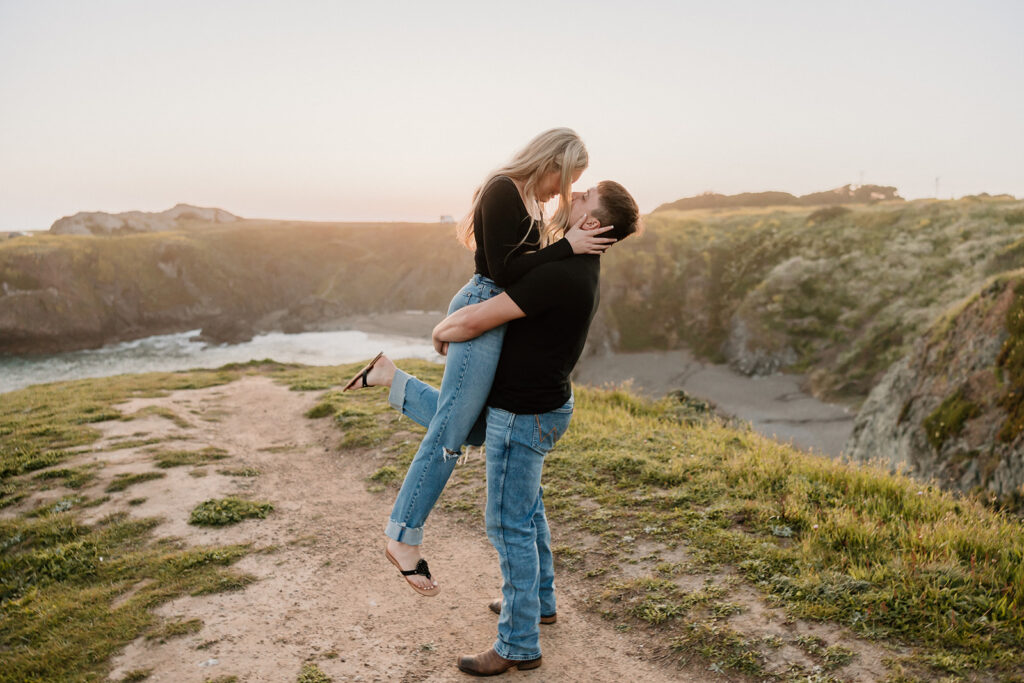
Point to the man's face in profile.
(585, 202)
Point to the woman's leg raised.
(468, 375)
(464, 389)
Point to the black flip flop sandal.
(361, 375)
(421, 568)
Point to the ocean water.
(176, 352)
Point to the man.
(548, 312)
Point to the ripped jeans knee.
(461, 456)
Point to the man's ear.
(591, 223)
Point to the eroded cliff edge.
(953, 407)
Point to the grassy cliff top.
(648, 498)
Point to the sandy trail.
(326, 594)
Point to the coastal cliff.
(953, 408)
(838, 293)
(62, 292)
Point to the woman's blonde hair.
(556, 149)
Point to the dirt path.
(326, 594)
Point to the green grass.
(884, 556)
(175, 629)
(311, 673)
(58, 579)
(231, 510)
(58, 576)
(887, 557)
(240, 472)
(831, 657)
(166, 458)
(322, 410)
(73, 478)
(41, 425)
(131, 443)
(123, 481)
(385, 475)
(160, 411)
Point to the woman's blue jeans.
(448, 415)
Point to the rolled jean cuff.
(503, 652)
(403, 534)
(396, 396)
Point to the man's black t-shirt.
(500, 225)
(541, 350)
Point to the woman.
(505, 227)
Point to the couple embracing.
(512, 337)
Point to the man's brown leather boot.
(490, 663)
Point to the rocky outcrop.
(754, 346)
(750, 354)
(951, 409)
(101, 223)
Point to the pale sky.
(334, 110)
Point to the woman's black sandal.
(421, 569)
(361, 375)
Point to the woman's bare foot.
(378, 373)
(381, 374)
(407, 557)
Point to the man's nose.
(577, 195)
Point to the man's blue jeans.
(448, 415)
(516, 523)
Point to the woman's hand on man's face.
(588, 240)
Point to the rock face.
(100, 223)
(753, 347)
(951, 409)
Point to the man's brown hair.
(617, 208)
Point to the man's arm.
(473, 320)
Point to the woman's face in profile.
(550, 184)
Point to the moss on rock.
(949, 418)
